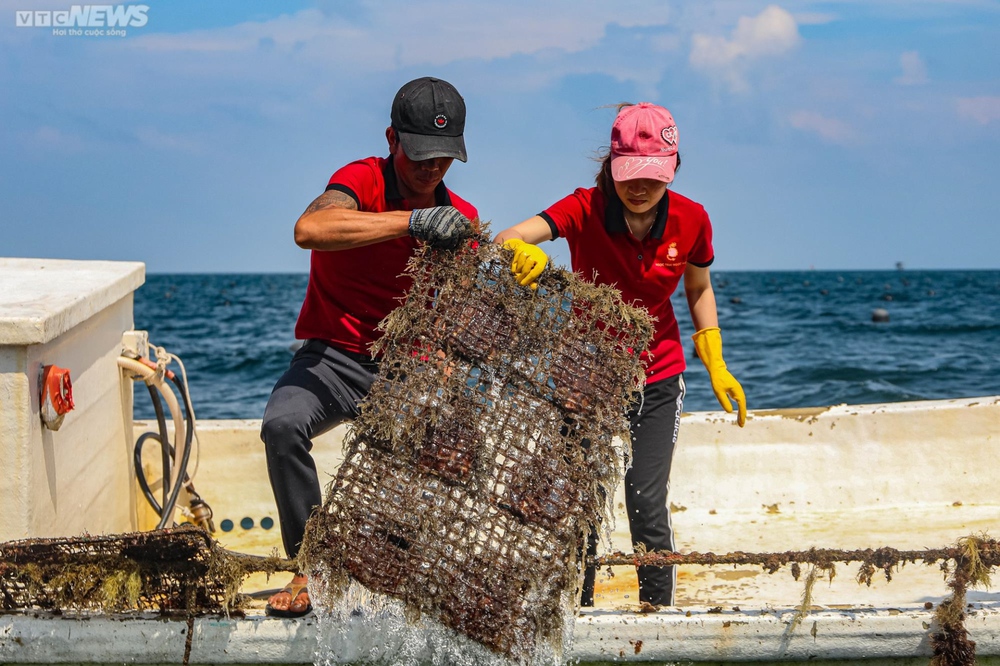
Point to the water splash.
(362, 627)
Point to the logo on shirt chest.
(671, 258)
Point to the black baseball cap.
(428, 115)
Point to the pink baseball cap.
(644, 143)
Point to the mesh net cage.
(178, 570)
(479, 457)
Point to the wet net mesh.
(170, 571)
(480, 454)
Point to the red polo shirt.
(351, 291)
(647, 271)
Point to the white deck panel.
(40, 299)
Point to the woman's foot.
(292, 600)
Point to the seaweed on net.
(481, 453)
(950, 641)
(173, 571)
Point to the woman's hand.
(708, 344)
(529, 261)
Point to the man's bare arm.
(331, 199)
(333, 222)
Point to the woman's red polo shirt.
(647, 271)
(351, 291)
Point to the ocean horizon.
(793, 338)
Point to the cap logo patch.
(669, 134)
(440, 121)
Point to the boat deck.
(909, 476)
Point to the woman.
(631, 232)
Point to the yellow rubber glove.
(529, 261)
(708, 344)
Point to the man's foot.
(292, 600)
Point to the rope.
(881, 558)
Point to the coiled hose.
(174, 458)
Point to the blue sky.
(826, 135)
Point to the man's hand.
(441, 226)
(708, 344)
(529, 261)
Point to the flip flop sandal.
(294, 591)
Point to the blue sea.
(793, 339)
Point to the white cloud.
(814, 18)
(627, 41)
(152, 137)
(665, 43)
(983, 110)
(831, 130)
(52, 139)
(771, 33)
(914, 69)
(403, 34)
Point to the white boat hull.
(599, 636)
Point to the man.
(361, 230)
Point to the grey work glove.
(441, 226)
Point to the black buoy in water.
(880, 315)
